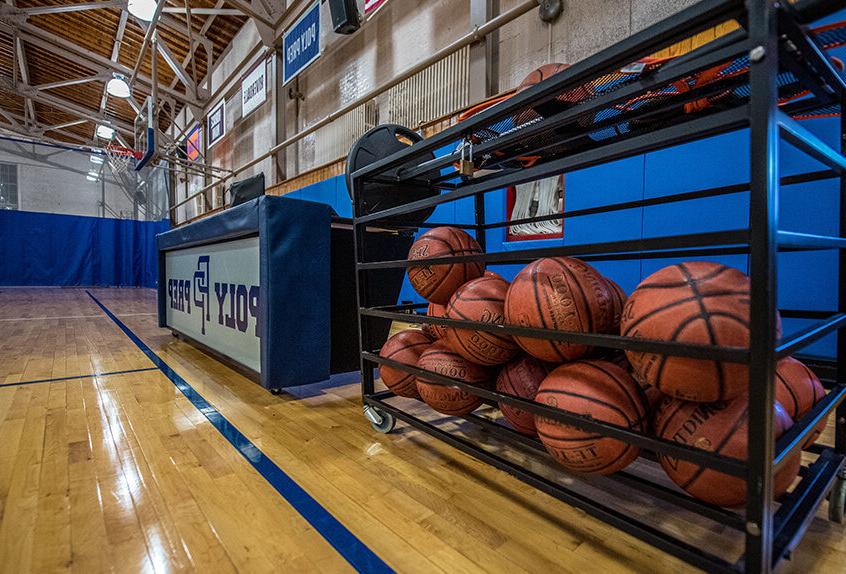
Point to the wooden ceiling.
(95, 31)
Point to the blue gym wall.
(45, 249)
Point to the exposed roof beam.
(72, 108)
(38, 131)
(204, 11)
(247, 8)
(39, 10)
(48, 41)
(115, 54)
(180, 72)
(147, 38)
(65, 125)
(73, 82)
(204, 41)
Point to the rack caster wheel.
(380, 420)
(837, 500)
(275, 392)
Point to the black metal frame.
(771, 34)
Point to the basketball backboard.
(146, 134)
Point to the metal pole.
(475, 35)
(763, 224)
(840, 414)
(147, 39)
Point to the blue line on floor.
(354, 551)
(77, 377)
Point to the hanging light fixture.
(142, 9)
(96, 159)
(105, 132)
(118, 86)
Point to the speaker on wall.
(345, 16)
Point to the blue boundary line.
(76, 377)
(354, 551)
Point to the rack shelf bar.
(805, 337)
(659, 78)
(794, 439)
(619, 520)
(808, 142)
(651, 244)
(798, 509)
(809, 242)
(701, 127)
(726, 354)
(729, 465)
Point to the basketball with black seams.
(522, 378)
(559, 293)
(700, 303)
(437, 283)
(435, 331)
(798, 389)
(445, 399)
(720, 427)
(618, 301)
(602, 391)
(481, 300)
(404, 347)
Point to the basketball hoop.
(120, 158)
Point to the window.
(8, 186)
(533, 199)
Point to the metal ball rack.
(775, 60)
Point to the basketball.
(481, 300)
(521, 377)
(571, 96)
(404, 347)
(719, 427)
(602, 391)
(435, 331)
(437, 283)
(798, 389)
(696, 302)
(489, 273)
(618, 301)
(558, 293)
(450, 400)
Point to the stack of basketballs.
(698, 402)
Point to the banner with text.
(301, 44)
(213, 297)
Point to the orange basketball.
(571, 96)
(404, 347)
(444, 361)
(435, 331)
(489, 273)
(437, 283)
(618, 300)
(521, 377)
(696, 302)
(480, 300)
(558, 293)
(602, 391)
(798, 389)
(719, 427)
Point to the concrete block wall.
(53, 180)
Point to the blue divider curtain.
(45, 249)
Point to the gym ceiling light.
(142, 9)
(105, 132)
(118, 87)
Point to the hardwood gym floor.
(121, 472)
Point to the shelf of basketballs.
(594, 375)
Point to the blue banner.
(301, 44)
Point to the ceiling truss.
(20, 20)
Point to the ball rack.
(772, 60)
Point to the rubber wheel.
(275, 391)
(388, 422)
(837, 500)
